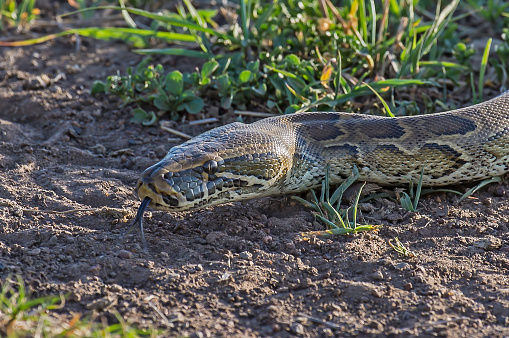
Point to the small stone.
(408, 286)
(160, 151)
(297, 328)
(488, 243)
(326, 332)
(124, 254)
(499, 191)
(246, 255)
(376, 325)
(199, 267)
(402, 266)
(34, 252)
(378, 275)
(486, 201)
(467, 274)
(115, 288)
(267, 239)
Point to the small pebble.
(115, 288)
(376, 325)
(499, 191)
(402, 266)
(408, 286)
(378, 275)
(297, 329)
(467, 274)
(124, 254)
(34, 252)
(246, 255)
(326, 332)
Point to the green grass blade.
(388, 111)
(484, 63)
(307, 203)
(418, 191)
(159, 17)
(480, 185)
(173, 51)
(355, 206)
(445, 64)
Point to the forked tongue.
(139, 219)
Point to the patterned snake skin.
(289, 154)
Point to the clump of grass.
(18, 14)
(22, 315)
(401, 249)
(328, 210)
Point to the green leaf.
(253, 66)
(174, 83)
(98, 87)
(260, 90)
(223, 84)
(245, 76)
(208, 69)
(194, 106)
(293, 60)
(141, 116)
(226, 101)
(406, 202)
(162, 102)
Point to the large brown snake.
(288, 154)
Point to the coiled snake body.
(289, 154)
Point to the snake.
(289, 154)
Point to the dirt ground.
(68, 167)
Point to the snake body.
(290, 153)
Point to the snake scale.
(290, 153)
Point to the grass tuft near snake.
(288, 154)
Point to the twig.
(253, 113)
(175, 132)
(203, 121)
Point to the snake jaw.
(154, 186)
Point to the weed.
(22, 315)
(19, 15)
(334, 217)
(401, 249)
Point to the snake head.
(219, 166)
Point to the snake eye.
(210, 167)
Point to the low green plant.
(19, 14)
(401, 249)
(406, 198)
(328, 208)
(22, 315)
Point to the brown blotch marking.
(438, 160)
(318, 126)
(382, 128)
(449, 125)
(498, 144)
(344, 150)
(442, 160)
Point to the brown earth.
(240, 269)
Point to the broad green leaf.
(194, 106)
(98, 87)
(223, 84)
(245, 76)
(208, 69)
(141, 116)
(174, 83)
(293, 60)
(161, 102)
